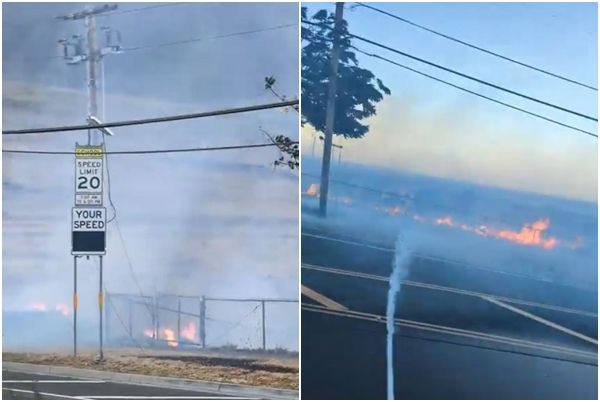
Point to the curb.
(154, 381)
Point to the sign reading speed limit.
(89, 166)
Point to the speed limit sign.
(88, 175)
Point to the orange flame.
(63, 308)
(189, 332)
(38, 306)
(313, 190)
(530, 234)
(444, 221)
(396, 210)
(169, 335)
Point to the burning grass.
(264, 371)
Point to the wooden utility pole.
(93, 56)
(330, 112)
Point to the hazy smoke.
(463, 144)
(217, 224)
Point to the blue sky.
(559, 37)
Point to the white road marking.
(449, 289)
(454, 331)
(159, 397)
(322, 299)
(432, 258)
(354, 243)
(54, 381)
(49, 394)
(541, 320)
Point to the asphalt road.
(453, 343)
(29, 386)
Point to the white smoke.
(399, 272)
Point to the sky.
(224, 71)
(430, 128)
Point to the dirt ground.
(247, 368)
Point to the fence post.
(202, 323)
(157, 322)
(178, 319)
(153, 317)
(130, 317)
(264, 334)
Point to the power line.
(125, 123)
(538, 69)
(459, 333)
(130, 265)
(114, 310)
(193, 40)
(108, 182)
(143, 152)
(373, 190)
(476, 93)
(465, 344)
(135, 10)
(470, 77)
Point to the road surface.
(463, 332)
(30, 386)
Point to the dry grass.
(267, 372)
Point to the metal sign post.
(88, 223)
(100, 307)
(74, 305)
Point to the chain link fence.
(201, 322)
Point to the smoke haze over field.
(461, 220)
(452, 142)
(221, 224)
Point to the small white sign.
(88, 199)
(89, 219)
(89, 168)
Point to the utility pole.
(73, 53)
(92, 63)
(330, 112)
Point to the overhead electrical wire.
(468, 90)
(317, 309)
(193, 40)
(472, 78)
(476, 93)
(140, 9)
(538, 69)
(163, 119)
(148, 151)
